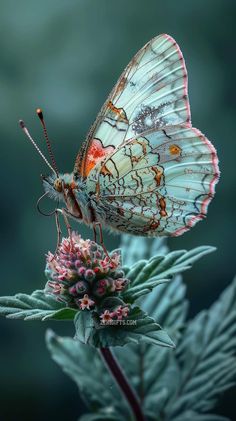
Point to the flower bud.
(81, 271)
(78, 264)
(94, 246)
(81, 287)
(89, 275)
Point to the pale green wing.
(150, 94)
(155, 93)
(160, 184)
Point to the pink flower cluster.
(82, 275)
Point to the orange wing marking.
(118, 111)
(163, 207)
(174, 150)
(95, 153)
(158, 175)
(152, 226)
(105, 171)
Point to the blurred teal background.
(65, 57)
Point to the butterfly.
(143, 169)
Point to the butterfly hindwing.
(157, 184)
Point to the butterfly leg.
(68, 226)
(95, 224)
(95, 232)
(59, 233)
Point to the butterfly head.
(57, 185)
(54, 186)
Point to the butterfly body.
(144, 169)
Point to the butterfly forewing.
(155, 94)
(151, 93)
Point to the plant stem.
(122, 381)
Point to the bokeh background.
(65, 56)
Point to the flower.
(106, 317)
(86, 302)
(81, 274)
(120, 284)
(57, 288)
(121, 312)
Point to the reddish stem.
(123, 383)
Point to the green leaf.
(37, 306)
(84, 365)
(65, 313)
(137, 248)
(133, 293)
(137, 327)
(146, 275)
(169, 305)
(207, 357)
(84, 326)
(172, 263)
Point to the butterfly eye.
(58, 185)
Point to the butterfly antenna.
(40, 115)
(25, 130)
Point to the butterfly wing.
(150, 94)
(153, 173)
(157, 184)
